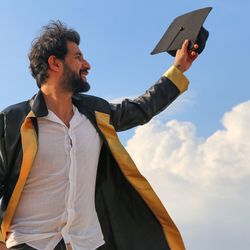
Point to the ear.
(54, 63)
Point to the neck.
(59, 102)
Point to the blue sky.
(117, 38)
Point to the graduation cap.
(188, 26)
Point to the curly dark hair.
(52, 41)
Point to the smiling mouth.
(84, 73)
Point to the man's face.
(75, 70)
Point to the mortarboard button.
(188, 26)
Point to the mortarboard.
(188, 26)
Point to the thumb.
(185, 45)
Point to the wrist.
(179, 67)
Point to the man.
(66, 181)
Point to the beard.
(73, 82)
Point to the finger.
(193, 55)
(185, 45)
(196, 46)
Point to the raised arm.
(130, 113)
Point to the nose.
(86, 64)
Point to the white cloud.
(204, 182)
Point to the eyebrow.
(78, 53)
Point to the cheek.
(75, 67)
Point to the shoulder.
(92, 102)
(16, 112)
(16, 107)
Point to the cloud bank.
(203, 182)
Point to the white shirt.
(58, 200)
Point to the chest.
(61, 149)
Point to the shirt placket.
(70, 202)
